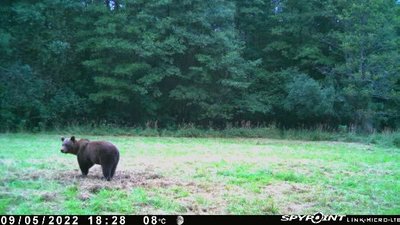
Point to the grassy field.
(201, 176)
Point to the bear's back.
(98, 151)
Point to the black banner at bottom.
(317, 218)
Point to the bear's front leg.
(84, 171)
(85, 168)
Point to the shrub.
(396, 140)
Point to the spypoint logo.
(316, 218)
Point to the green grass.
(4, 203)
(246, 206)
(168, 175)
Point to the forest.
(212, 63)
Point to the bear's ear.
(62, 139)
(72, 138)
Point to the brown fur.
(93, 152)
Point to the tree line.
(293, 63)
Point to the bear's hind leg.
(113, 169)
(114, 166)
(107, 172)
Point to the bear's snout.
(62, 150)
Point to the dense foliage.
(293, 63)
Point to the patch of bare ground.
(122, 180)
(126, 180)
(149, 179)
(203, 198)
(213, 194)
(281, 192)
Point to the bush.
(396, 140)
(148, 132)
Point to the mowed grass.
(201, 176)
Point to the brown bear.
(92, 152)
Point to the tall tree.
(368, 42)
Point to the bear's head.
(69, 145)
